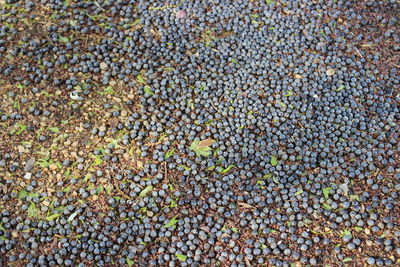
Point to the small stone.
(150, 213)
(29, 165)
(181, 14)
(21, 149)
(67, 163)
(46, 202)
(103, 66)
(28, 176)
(119, 151)
(330, 72)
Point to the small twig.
(166, 172)
(212, 104)
(358, 51)
(99, 6)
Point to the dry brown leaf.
(245, 205)
(139, 164)
(53, 167)
(298, 76)
(114, 122)
(206, 143)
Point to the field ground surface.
(199, 133)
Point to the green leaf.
(22, 194)
(184, 167)
(53, 217)
(270, 2)
(32, 195)
(33, 211)
(358, 229)
(168, 69)
(227, 169)
(146, 190)
(72, 216)
(129, 262)
(355, 197)
(169, 153)
(67, 189)
(202, 148)
(235, 230)
(20, 86)
(260, 182)
(140, 79)
(147, 90)
(173, 204)
(340, 88)
(22, 127)
(172, 222)
(274, 161)
(299, 192)
(181, 257)
(54, 129)
(136, 22)
(97, 161)
(346, 233)
(99, 189)
(326, 206)
(347, 259)
(267, 176)
(326, 192)
(63, 39)
(288, 93)
(283, 105)
(109, 90)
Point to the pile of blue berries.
(199, 133)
